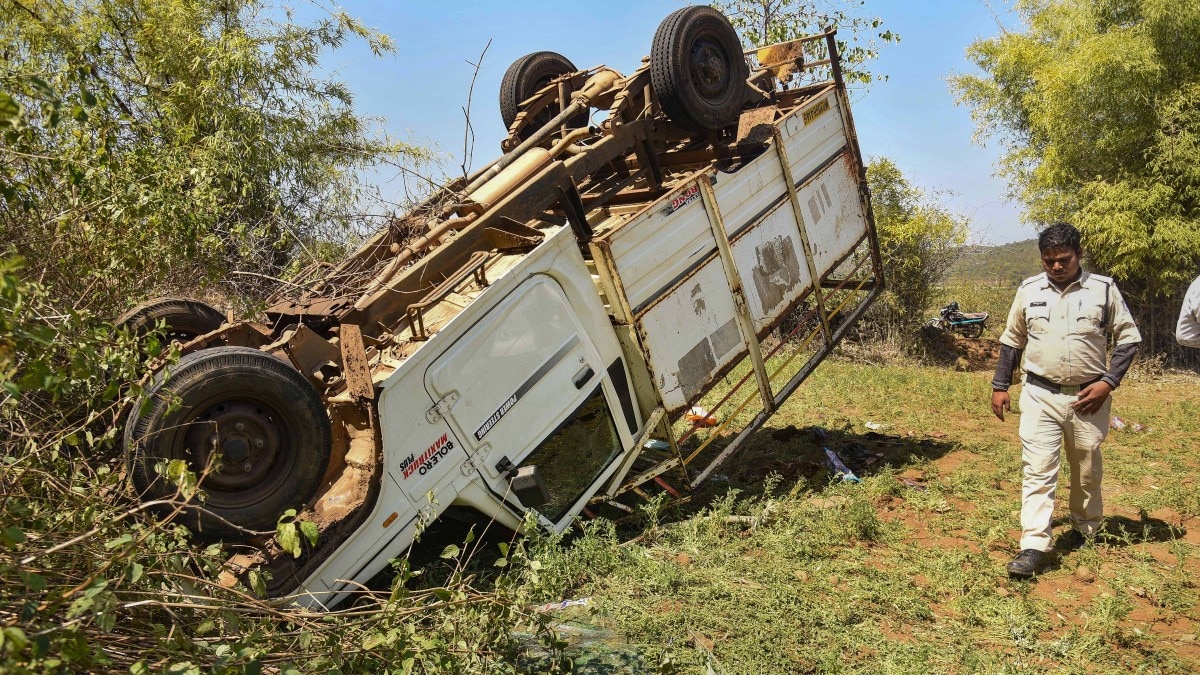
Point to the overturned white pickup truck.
(593, 318)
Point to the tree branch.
(468, 132)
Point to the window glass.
(570, 458)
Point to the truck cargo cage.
(798, 216)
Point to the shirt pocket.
(1088, 322)
(1037, 320)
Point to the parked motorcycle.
(969, 324)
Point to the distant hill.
(1006, 264)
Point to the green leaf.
(257, 583)
(10, 111)
(12, 536)
(135, 572)
(118, 542)
(44, 89)
(96, 588)
(310, 531)
(34, 582)
(288, 538)
(450, 551)
(16, 637)
(374, 640)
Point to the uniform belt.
(1056, 388)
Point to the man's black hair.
(1059, 235)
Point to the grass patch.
(779, 568)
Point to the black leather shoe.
(1027, 563)
(1071, 540)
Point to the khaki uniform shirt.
(1187, 330)
(1063, 332)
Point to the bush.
(167, 145)
(919, 239)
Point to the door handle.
(583, 377)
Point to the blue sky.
(420, 91)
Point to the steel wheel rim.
(709, 68)
(251, 439)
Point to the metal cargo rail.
(797, 213)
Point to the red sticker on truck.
(691, 194)
(428, 459)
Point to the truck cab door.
(526, 386)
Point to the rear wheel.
(185, 318)
(973, 330)
(698, 70)
(251, 420)
(524, 78)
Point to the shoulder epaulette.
(1030, 280)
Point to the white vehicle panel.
(661, 244)
(665, 261)
(690, 334)
(833, 213)
(748, 195)
(393, 516)
(513, 372)
(812, 135)
(411, 439)
(770, 261)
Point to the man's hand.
(1000, 403)
(1091, 397)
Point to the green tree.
(165, 143)
(87, 586)
(919, 239)
(764, 22)
(1096, 104)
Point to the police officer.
(1187, 329)
(1060, 319)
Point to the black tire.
(698, 70)
(268, 422)
(185, 318)
(973, 331)
(524, 78)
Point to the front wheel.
(249, 420)
(935, 323)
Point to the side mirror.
(528, 486)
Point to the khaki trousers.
(1047, 423)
